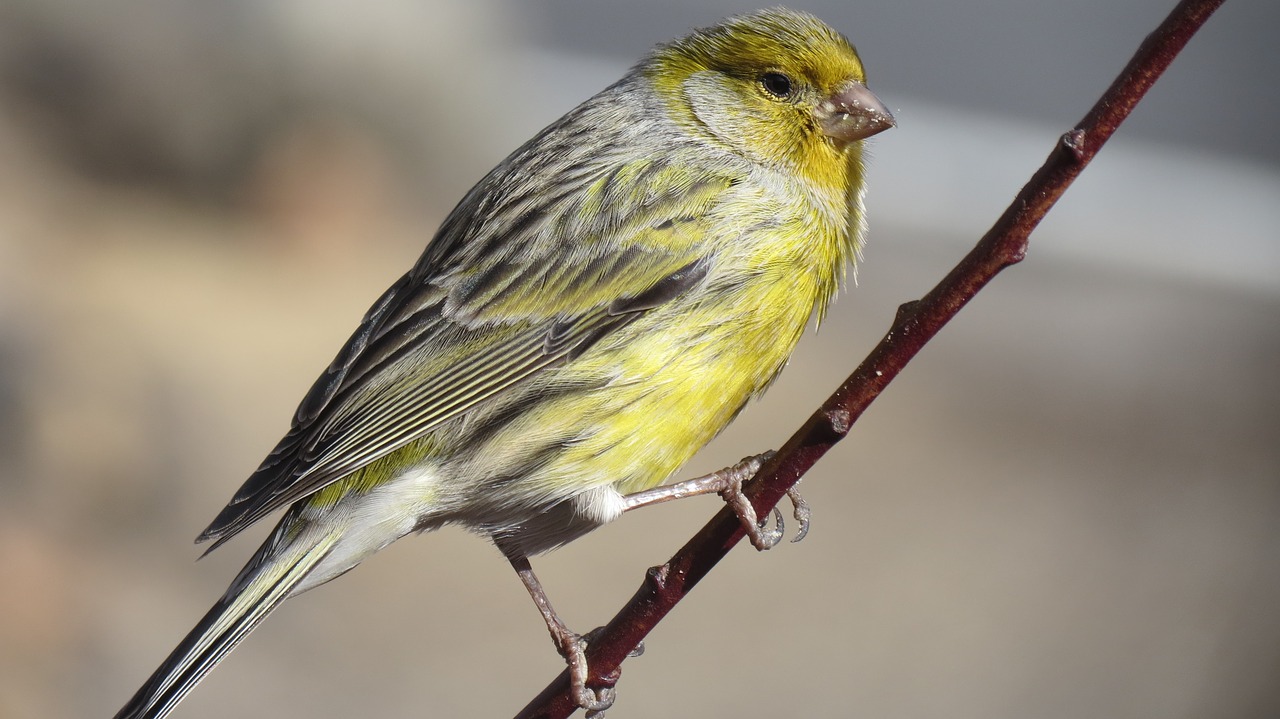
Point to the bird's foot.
(594, 700)
(762, 536)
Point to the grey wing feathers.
(371, 410)
(371, 402)
(514, 283)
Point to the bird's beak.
(852, 113)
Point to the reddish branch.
(917, 322)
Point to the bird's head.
(777, 86)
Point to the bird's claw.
(802, 513)
(594, 700)
(758, 531)
(600, 700)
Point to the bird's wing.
(480, 312)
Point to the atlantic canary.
(595, 310)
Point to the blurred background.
(1067, 506)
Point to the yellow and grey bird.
(595, 310)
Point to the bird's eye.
(778, 85)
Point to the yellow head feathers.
(778, 86)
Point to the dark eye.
(777, 84)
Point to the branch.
(916, 323)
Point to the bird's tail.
(266, 581)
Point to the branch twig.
(916, 323)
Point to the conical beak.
(853, 113)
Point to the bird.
(593, 311)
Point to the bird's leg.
(727, 483)
(570, 645)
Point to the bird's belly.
(676, 388)
(674, 396)
(625, 415)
